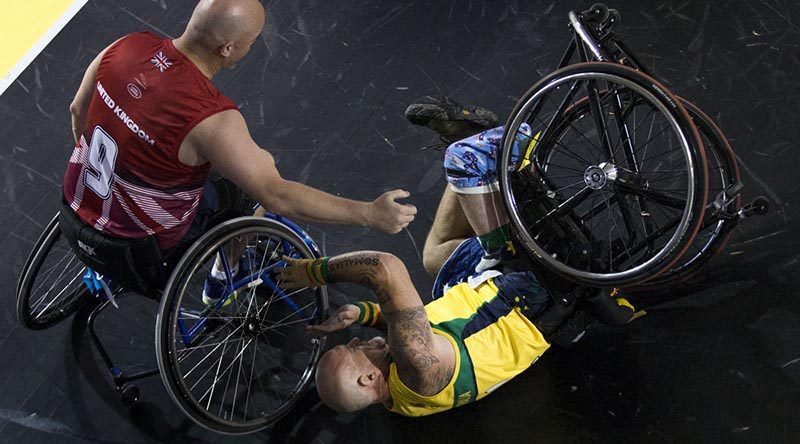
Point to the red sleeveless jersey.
(124, 177)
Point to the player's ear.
(368, 379)
(226, 49)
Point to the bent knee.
(432, 262)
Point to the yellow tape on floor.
(26, 27)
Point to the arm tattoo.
(360, 268)
(365, 259)
(409, 334)
(411, 342)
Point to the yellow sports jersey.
(493, 341)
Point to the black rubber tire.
(67, 300)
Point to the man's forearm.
(366, 268)
(303, 202)
(383, 273)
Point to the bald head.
(337, 382)
(221, 32)
(220, 21)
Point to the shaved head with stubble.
(337, 383)
(352, 376)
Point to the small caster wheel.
(760, 205)
(129, 394)
(613, 17)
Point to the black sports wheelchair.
(619, 183)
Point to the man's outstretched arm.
(224, 140)
(424, 361)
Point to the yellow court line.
(26, 27)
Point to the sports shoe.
(549, 321)
(611, 308)
(573, 329)
(216, 284)
(215, 287)
(451, 120)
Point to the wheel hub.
(595, 178)
(252, 327)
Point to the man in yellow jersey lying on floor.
(452, 351)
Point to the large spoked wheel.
(50, 287)
(237, 364)
(603, 175)
(724, 199)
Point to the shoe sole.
(422, 113)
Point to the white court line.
(39, 46)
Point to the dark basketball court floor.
(324, 90)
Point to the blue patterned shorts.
(471, 164)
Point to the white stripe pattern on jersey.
(157, 194)
(79, 155)
(128, 211)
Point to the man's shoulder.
(207, 135)
(137, 37)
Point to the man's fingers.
(409, 209)
(397, 194)
(406, 219)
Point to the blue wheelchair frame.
(105, 289)
(261, 276)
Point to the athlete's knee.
(432, 258)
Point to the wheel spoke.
(248, 359)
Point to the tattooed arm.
(425, 361)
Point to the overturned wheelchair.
(618, 183)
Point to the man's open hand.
(342, 318)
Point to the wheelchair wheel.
(603, 175)
(238, 365)
(50, 287)
(723, 176)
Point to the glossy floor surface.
(324, 90)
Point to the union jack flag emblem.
(161, 61)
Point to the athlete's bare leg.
(450, 228)
(485, 211)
